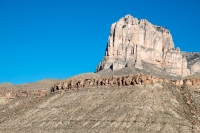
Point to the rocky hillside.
(32, 91)
(93, 103)
(158, 107)
(148, 69)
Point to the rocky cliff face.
(193, 60)
(132, 41)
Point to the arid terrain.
(153, 107)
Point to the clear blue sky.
(60, 38)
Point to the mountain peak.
(134, 41)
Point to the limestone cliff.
(193, 60)
(132, 41)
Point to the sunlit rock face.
(132, 41)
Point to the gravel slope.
(144, 108)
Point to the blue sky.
(59, 38)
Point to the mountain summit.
(132, 41)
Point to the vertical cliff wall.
(132, 41)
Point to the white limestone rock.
(132, 41)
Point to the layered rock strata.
(105, 81)
(132, 41)
(128, 80)
(13, 93)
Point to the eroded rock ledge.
(128, 80)
(13, 93)
(79, 83)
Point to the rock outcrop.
(126, 80)
(35, 90)
(13, 93)
(132, 41)
(193, 60)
